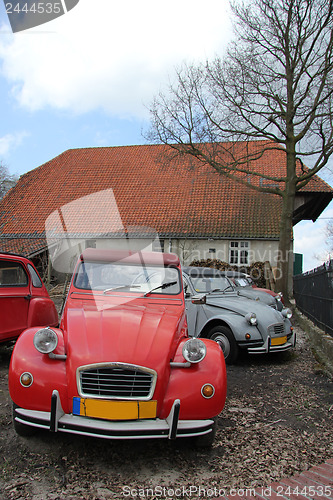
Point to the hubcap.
(223, 342)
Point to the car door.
(195, 314)
(14, 299)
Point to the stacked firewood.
(256, 270)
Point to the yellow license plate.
(114, 410)
(279, 340)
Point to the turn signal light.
(26, 379)
(207, 391)
(247, 336)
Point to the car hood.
(256, 294)
(243, 305)
(143, 334)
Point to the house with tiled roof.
(116, 197)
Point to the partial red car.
(24, 300)
(121, 364)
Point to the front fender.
(185, 384)
(236, 323)
(48, 374)
(42, 312)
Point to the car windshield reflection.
(211, 284)
(114, 277)
(242, 282)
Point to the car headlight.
(287, 313)
(45, 340)
(251, 318)
(194, 350)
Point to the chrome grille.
(277, 329)
(116, 381)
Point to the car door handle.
(27, 297)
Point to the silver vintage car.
(245, 286)
(215, 310)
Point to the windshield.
(117, 276)
(241, 282)
(210, 284)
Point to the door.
(14, 299)
(194, 312)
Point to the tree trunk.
(285, 255)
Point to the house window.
(239, 253)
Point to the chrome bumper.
(58, 421)
(267, 347)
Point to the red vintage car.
(24, 300)
(121, 365)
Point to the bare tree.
(274, 86)
(7, 181)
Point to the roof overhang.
(309, 206)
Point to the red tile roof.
(177, 200)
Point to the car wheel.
(22, 429)
(224, 337)
(207, 440)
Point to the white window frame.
(236, 248)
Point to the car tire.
(224, 337)
(22, 429)
(207, 440)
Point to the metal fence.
(313, 292)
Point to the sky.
(86, 79)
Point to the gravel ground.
(277, 422)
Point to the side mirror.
(199, 299)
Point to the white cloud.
(9, 142)
(110, 55)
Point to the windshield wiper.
(164, 285)
(220, 290)
(120, 287)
